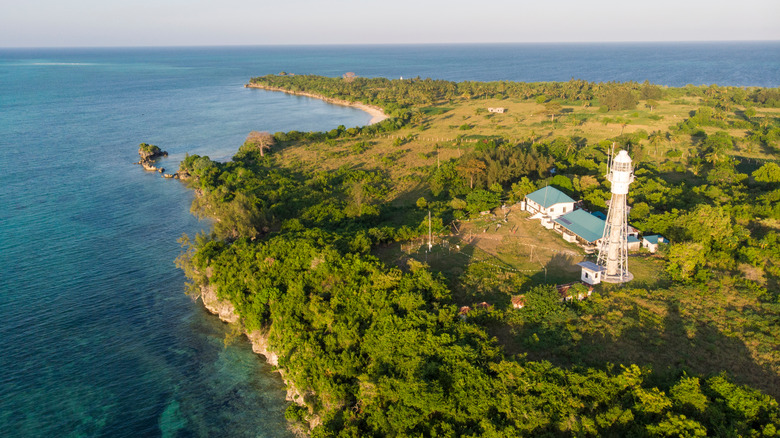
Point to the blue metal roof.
(599, 215)
(655, 239)
(632, 239)
(592, 266)
(588, 227)
(549, 196)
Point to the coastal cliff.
(259, 340)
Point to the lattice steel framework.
(613, 250)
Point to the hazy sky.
(260, 22)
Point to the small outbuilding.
(591, 272)
(498, 110)
(633, 243)
(518, 301)
(652, 242)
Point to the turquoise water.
(98, 337)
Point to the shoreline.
(377, 114)
(258, 339)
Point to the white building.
(548, 202)
(651, 242)
(591, 272)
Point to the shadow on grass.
(669, 348)
(560, 269)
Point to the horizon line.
(171, 46)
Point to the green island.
(377, 266)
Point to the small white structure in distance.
(651, 242)
(498, 110)
(591, 272)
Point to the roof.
(655, 239)
(549, 196)
(592, 266)
(599, 215)
(632, 239)
(588, 227)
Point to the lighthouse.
(613, 250)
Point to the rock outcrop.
(149, 153)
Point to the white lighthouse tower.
(613, 251)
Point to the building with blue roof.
(651, 242)
(549, 202)
(633, 242)
(580, 226)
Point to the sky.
(98, 23)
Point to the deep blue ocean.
(96, 335)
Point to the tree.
(542, 302)
(563, 182)
(552, 109)
(258, 141)
(619, 99)
(656, 138)
(482, 200)
(521, 188)
(639, 212)
(768, 173)
(715, 146)
(650, 91)
(685, 260)
(707, 223)
(651, 104)
(472, 167)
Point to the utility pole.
(430, 234)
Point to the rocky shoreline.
(259, 341)
(149, 154)
(377, 114)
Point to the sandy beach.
(377, 115)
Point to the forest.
(308, 226)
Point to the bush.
(482, 200)
(619, 99)
(542, 302)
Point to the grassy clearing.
(646, 322)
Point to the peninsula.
(393, 275)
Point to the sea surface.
(97, 337)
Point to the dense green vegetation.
(381, 350)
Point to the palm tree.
(655, 139)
